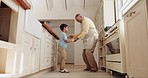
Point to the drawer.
(114, 66)
(27, 39)
(113, 57)
(48, 35)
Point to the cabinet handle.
(34, 49)
(30, 48)
(127, 16)
(132, 13)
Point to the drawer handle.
(127, 16)
(132, 13)
(34, 49)
(30, 48)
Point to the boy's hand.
(76, 39)
(70, 36)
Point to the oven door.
(113, 44)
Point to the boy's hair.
(62, 26)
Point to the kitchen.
(28, 46)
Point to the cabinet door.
(42, 54)
(48, 51)
(25, 55)
(137, 40)
(35, 55)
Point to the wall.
(78, 48)
(59, 12)
(109, 15)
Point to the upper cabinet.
(32, 25)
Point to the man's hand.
(75, 37)
(70, 36)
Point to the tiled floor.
(75, 72)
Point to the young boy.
(62, 46)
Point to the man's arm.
(85, 29)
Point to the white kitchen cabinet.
(30, 55)
(7, 58)
(32, 25)
(42, 54)
(136, 31)
(35, 55)
(25, 55)
(48, 52)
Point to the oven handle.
(111, 34)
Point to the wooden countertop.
(23, 3)
(49, 29)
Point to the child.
(62, 46)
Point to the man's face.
(79, 19)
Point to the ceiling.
(70, 3)
(67, 4)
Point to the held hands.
(70, 36)
(73, 37)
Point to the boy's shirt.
(62, 42)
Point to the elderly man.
(89, 35)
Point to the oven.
(112, 42)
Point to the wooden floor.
(75, 72)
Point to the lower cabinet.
(48, 50)
(136, 27)
(30, 55)
(35, 55)
(25, 55)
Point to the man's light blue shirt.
(62, 42)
